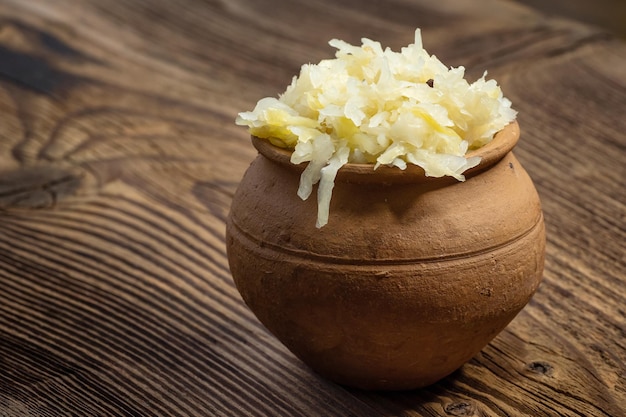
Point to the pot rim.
(503, 142)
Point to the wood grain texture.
(119, 157)
(610, 14)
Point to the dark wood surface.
(119, 156)
(609, 14)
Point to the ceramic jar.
(410, 278)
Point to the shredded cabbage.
(370, 105)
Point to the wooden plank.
(609, 14)
(119, 157)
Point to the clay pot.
(411, 277)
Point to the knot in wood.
(38, 187)
(540, 367)
(460, 408)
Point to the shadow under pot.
(411, 277)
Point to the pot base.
(387, 326)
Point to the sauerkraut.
(376, 106)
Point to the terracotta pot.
(411, 277)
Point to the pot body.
(410, 278)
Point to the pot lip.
(503, 142)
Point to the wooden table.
(119, 157)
